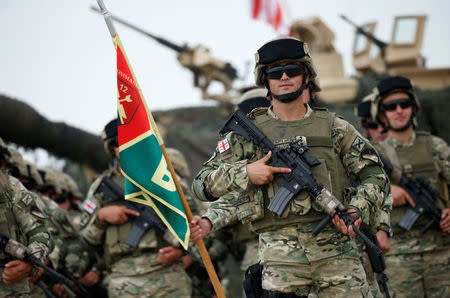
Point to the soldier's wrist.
(385, 228)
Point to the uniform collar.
(394, 143)
(273, 115)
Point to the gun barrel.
(379, 43)
(161, 40)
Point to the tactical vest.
(315, 131)
(115, 247)
(413, 160)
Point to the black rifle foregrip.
(322, 224)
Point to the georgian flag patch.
(89, 206)
(223, 145)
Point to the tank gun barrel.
(161, 40)
(379, 43)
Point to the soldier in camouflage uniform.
(373, 130)
(295, 262)
(20, 219)
(417, 265)
(131, 272)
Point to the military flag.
(270, 11)
(148, 179)
(149, 175)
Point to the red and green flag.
(147, 177)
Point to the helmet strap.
(403, 128)
(289, 97)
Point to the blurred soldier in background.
(374, 131)
(22, 221)
(130, 271)
(418, 263)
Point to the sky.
(58, 55)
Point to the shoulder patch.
(89, 206)
(370, 154)
(37, 213)
(223, 145)
(358, 143)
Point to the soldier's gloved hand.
(340, 224)
(259, 173)
(89, 279)
(401, 197)
(200, 227)
(383, 241)
(169, 254)
(115, 214)
(15, 271)
(445, 222)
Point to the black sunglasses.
(370, 124)
(291, 70)
(392, 105)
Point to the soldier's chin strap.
(403, 128)
(289, 97)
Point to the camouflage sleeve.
(382, 217)
(364, 166)
(225, 171)
(222, 213)
(441, 154)
(31, 220)
(94, 231)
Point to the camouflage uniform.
(131, 272)
(418, 265)
(21, 220)
(70, 250)
(295, 261)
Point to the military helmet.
(4, 152)
(72, 186)
(52, 178)
(254, 98)
(283, 49)
(16, 161)
(109, 136)
(33, 173)
(178, 161)
(389, 86)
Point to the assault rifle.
(147, 216)
(300, 178)
(424, 196)
(381, 44)
(377, 263)
(21, 252)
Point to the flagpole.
(200, 244)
